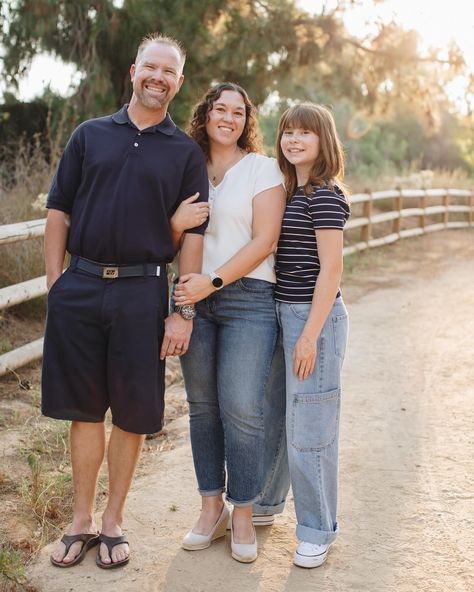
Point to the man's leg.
(87, 445)
(123, 454)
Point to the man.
(117, 186)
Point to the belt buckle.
(110, 272)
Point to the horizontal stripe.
(297, 260)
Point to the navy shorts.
(102, 349)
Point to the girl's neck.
(302, 175)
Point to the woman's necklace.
(217, 173)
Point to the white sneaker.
(310, 555)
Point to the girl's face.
(300, 147)
(226, 119)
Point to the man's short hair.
(165, 40)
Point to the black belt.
(108, 271)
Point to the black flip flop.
(88, 541)
(110, 543)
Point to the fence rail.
(370, 218)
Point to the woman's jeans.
(312, 421)
(226, 373)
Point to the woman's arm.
(188, 215)
(330, 252)
(267, 209)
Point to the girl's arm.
(330, 246)
(268, 209)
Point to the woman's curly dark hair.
(249, 141)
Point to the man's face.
(157, 75)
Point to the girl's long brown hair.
(328, 167)
(249, 141)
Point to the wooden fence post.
(366, 230)
(446, 211)
(422, 219)
(397, 206)
(470, 214)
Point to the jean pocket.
(315, 420)
(254, 285)
(301, 311)
(339, 325)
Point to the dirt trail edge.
(407, 469)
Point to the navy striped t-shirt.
(297, 262)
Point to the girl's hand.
(192, 288)
(189, 214)
(304, 357)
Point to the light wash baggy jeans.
(227, 371)
(312, 421)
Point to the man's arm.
(55, 240)
(178, 330)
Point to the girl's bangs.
(301, 117)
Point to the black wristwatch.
(216, 281)
(187, 311)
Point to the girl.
(313, 318)
(227, 367)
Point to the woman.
(313, 318)
(227, 366)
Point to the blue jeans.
(312, 421)
(226, 372)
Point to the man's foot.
(116, 552)
(110, 543)
(69, 552)
(310, 555)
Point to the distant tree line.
(390, 104)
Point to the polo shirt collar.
(167, 126)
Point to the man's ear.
(180, 81)
(133, 69)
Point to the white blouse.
(230, 218)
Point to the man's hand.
(177, 335)
(52, 279)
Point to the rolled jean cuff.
(317, 537)
(211, 493)
(244, 504)
(268, 510)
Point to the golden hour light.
(236, 295)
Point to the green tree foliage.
(390, 104)
(266, 45)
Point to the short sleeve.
(267, 174)
(328, 209)
(68, 176)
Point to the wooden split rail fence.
(421, 212)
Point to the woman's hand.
(304, 357)
(189, 214)
(192, 288)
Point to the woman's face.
(300, 146)
(226, 119)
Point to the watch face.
(217, 282)
(188, 311)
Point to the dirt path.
(407, 469)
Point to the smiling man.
(111, 204)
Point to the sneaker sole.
(309, 562)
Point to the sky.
(431, 19)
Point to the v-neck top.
(231, 214)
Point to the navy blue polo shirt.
(121, 186)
